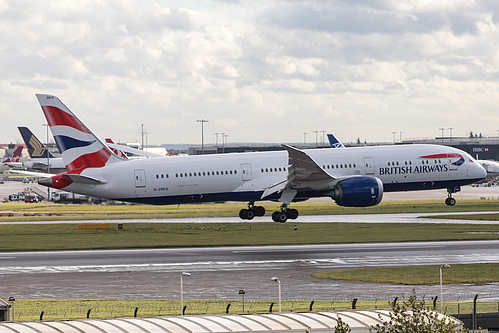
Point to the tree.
(342, 327)
(415, 316)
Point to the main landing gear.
(284, 214)
(450, 201)
(252, 211)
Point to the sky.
(259, 71)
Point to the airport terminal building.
(479, 148)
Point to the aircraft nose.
(481, 170)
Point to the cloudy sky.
(260, 71)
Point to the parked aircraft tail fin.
(36, 149)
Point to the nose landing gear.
(450, 201)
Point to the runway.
(220, 272)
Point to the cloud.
(260, 70)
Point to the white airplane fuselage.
(246, 176)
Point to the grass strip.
(22, 237)
(64, 309)
(80, 212)
(418, 275)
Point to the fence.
(26, 309)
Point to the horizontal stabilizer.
(82, 179)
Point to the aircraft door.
(369, 165)
(140, 178)
(246, 171)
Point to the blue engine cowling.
(357, 191)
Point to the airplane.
(492, 167)
(41, 157)
(334, 142)
(353, 177)
(12, 158)
(117, 151)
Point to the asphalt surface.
(222, 272)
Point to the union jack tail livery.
(80, 148)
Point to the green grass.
(20, 237)
(57, 309)
(83, 212)
(418, 275)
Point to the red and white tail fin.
(15, 156)
(80, 148)
(118, 152)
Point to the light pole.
(305, 137)
(450, 129)
(182, 292)
(242, 292)
(316, 132)
(441, 292)
(275, 279)
(216, 142)
(442, 129)
(202, 121)
(393, 133)
(12, 299)
(48, 160)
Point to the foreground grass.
(122, 212)
(20, 237)
(47, 309)
(418, 275)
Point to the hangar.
(320, 321)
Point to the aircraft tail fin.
(15, 156)
(118, 152)
(36, 149)
(80, 148)
(334, 142)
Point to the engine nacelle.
(357, 191)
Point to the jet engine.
(357, 191)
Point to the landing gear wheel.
(250, 214)
(259, 210)
(450, 201)
(292, 214)
(280, 217)
(242, 214)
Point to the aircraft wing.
(32, 173)
(133, 150)
(303, 174)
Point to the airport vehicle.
(12, 158)
(353, 177)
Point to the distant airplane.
(492, 167)
(117, 151)
(12, 158)
(41, 157)
(334, 142)
(353, 177)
